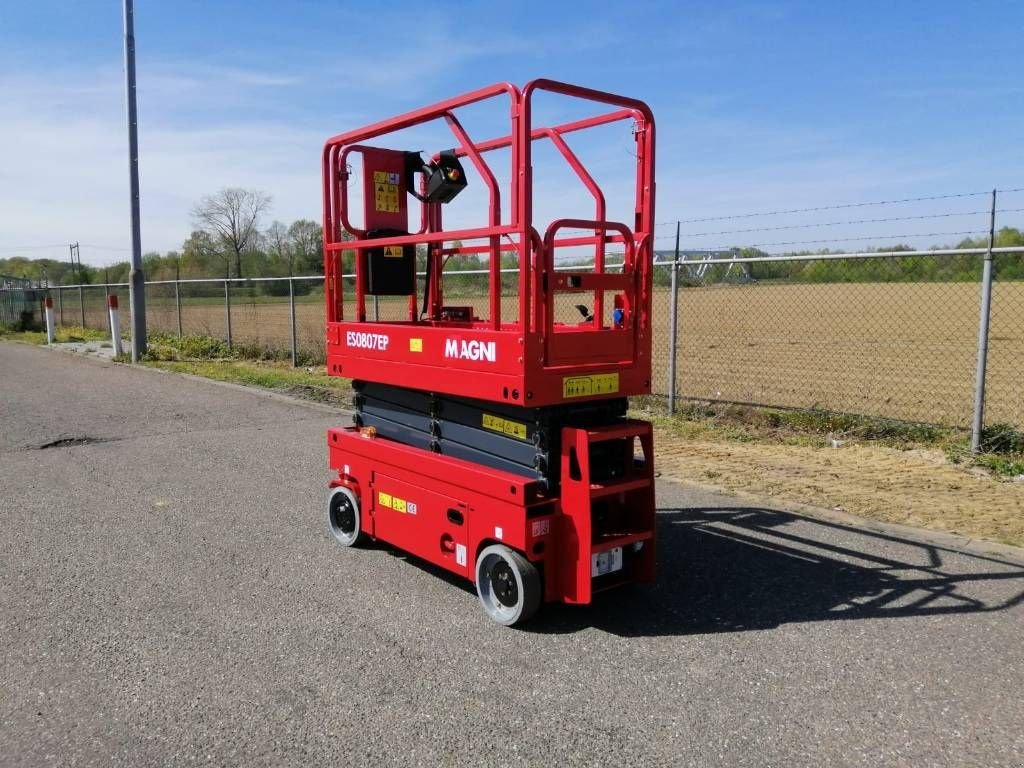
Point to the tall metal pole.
(136, 278)
(978, 422)
(672, 328)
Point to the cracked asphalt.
(169, 596)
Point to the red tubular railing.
(535, 254)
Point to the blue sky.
(759, 105)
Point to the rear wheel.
(508, 585)
(343, 517)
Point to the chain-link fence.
(18, 302)
(893, 336)
(867, 336)
(894, 333)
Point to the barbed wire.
(851, 239)
(887, 219)
(840, 206)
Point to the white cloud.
(65, 168)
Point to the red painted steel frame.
(532, 359)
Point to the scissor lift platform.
(494, 446)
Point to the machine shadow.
(736, 569)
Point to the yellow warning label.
(393, 251)
(385, 194)
(395, 503)
(505, 426)
(585, 386)
(415, 345)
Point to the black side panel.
(400, 433)
(390, 271)
(460, 451)
(524, 441)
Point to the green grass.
(307, 383)
(64, 334)
(811, 427)
(250, 365)
(236, 298)
(1000, 451)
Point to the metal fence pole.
(978, 422)
(60, 303)
(81, 303)
(227, 310)
(177, 304)
(291, 316)
(673, 329)
(106, 302)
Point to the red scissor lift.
(496, 448)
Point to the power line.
(106, 247)
(32, 247)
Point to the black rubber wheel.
(343, 517)
(508, 585)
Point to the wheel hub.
(344, 515)
(503, 581)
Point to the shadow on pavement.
(734, 569)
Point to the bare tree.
(307, 241)
(278, 244)
(232, 216)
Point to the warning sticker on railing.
(587, 386)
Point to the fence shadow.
(734, 569)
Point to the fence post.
(51, 333)
(60, 304)
(81, 303)
(978, 421)
(673, 329)
(106, 296)
(115, 325)
(291, 315)
(227, 309)
(177, 304)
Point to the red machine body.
(590, 524)
(446, 511)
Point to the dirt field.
(917, 488)
(898, 350)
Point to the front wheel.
(343, 517)
(508, 585)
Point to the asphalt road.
(169, 596)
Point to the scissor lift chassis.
(446, 510)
